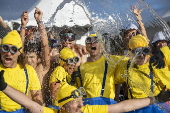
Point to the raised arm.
(24, 20)
(3, 24)
(137, 13)
(44, 39)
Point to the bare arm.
(129, 105)
(23, 100)
(3, 24)
(137, 13)
(24, 20)
(44, 39)
(36, 96)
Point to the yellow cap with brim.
(92, 35)
(137, 41)
(64, 91)
(13, 38)
(66, 53)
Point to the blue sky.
(11, 9)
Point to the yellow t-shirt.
(16, 78)
(140, 85)
(49, 110)
(60, 74)
(92, 77)
(85, 109)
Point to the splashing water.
(110, 16)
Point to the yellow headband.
(66, 53)
(137, 41)
(13, 38)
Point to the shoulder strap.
(104, 78)
(81, 84)
(128, 65)
(27, 80)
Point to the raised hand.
(137, 12)
(3, 84)
(38, 14)
(24, 18)
(163, 96)
(158, 59)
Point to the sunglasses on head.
(13, 49)
(68, 36)
(90, 40)
(140, 51)
(75, 94)
(71, 60)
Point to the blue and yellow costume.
(22, 79)
(143, 82)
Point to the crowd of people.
(41, 72)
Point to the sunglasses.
(140, 51)
(13, 49)
(68, 36)
(90, 40)
(71, 60)
(75, 94)
(52, 43)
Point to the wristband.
(39, 22)
(23, 27)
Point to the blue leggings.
(17, 111)
(99, 101)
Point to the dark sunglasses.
(89, 40)
(68, 36)
(6, 48)
(140, 51)
(71, 60)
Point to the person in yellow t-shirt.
(71, 100)
(62, 73)
(145, 75)
(18, 75)
(98, 74)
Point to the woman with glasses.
(63, 72)
(144, 74)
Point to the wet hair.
(67, 30)
(3, 32)
(32, 47)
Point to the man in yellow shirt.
(98, 74)
(18, 75)
(70, 101)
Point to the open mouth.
(93, 48)
(8, 60)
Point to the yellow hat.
(137, 41)
(92, 35)
(66, 53)
(64, 91)
(13, 38)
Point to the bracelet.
(23, 27)
(39, 22)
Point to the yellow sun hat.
(64, 93)
(13, 38)
(66, 53)
(137, 41)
